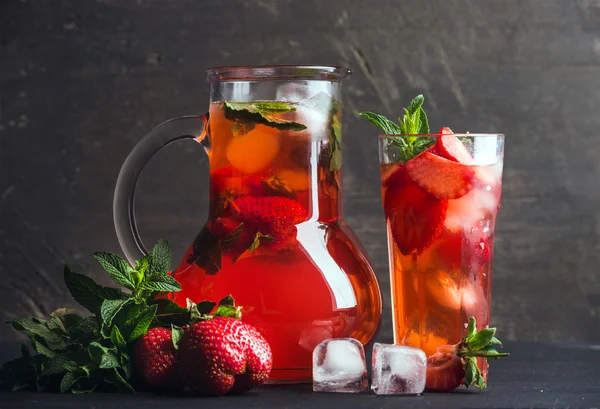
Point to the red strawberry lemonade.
(276, 239)
(440, 201)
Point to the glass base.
(290, 376)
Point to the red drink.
(441, 208)
(275, 238)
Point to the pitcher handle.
(185, 127)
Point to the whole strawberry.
(455, 365)
(154, 358)
(222, 355)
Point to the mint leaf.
(141, 266)
(241, 128)
(169, 312)
(69, 380)
(160, 258)
(229, 241)
(276, 186)
(424, 128)
(34, 327)
(42, 349)
(110, 308)
(380, 121)
(102, 356)
(176, 334)
(84, 331)
(117, 338)
(119, 269)
(416, 104)
(261, 113)
(95, 351)
(207, 252)
(139, 272)
(126, 320)
(162, 283)
(335, 137)
(109, 360)
(57, 365)
(271, 107)
(86, 292)
(481, 339)
(257, 238)
(414, 122)
(114, 378)
(143, 322)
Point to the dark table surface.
(535, 375)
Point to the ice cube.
(465, 213)
(321, 102)
(339, 366)
(314, 112)
(485, 150)
(398, 370)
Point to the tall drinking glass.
(440, 208)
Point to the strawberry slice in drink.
(416, 218)
(450, 147)
(274, 216)
(440, 177)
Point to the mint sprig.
(413, 123)
(82, 354)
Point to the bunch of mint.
(413, 123)
(81, 354)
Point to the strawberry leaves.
(477, 344)
(80, 354)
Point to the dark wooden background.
(81, 81)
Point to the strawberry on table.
(154, 358)
(222, 355)
(455, 365)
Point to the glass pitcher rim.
(276, 73)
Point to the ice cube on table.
(398, 370)
(339, 366)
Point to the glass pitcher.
(275, 238)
